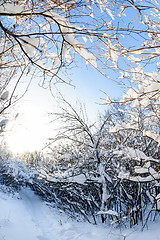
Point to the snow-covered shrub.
(15, 173)
(109, 174)
(136, 161)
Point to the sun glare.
(29, 131)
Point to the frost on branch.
(107, 34)
(36, 32)
(108, 100)
(69, 36)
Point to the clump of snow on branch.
(29, 45)
(10, 8)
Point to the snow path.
(28, 218)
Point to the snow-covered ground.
(26, 217)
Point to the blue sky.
(32, 128)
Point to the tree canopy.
(47, 38)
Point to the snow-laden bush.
(15, 173)
(110, 173)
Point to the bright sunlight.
(29, 131)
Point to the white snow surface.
(10, 8)
(25, 216)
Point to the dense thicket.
(99, 174)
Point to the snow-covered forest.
(95, 179)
